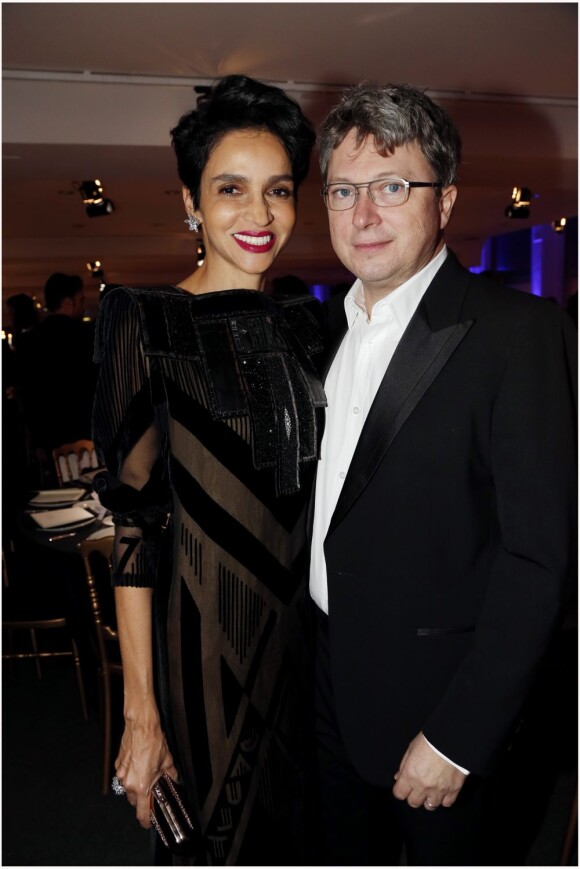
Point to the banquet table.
(55, 559)
(65, 537)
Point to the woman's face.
(247, 208)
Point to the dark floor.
(53, 810)
(55, 815)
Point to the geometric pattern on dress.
(193, 551)
(232, 693)
(227, 814)
(280, 784)
(185, 644)
(240, 611)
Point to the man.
(57, 372)
(443, 524)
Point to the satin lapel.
(419, 358)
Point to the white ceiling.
(91, 90)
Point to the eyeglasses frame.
(367, 184)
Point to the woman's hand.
(143, 757)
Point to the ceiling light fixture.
(92, 196)
(559, 225)
(522, 196)
(96, 269)
(520, 204)
(518, 211)
(97, 209)
(91, 191)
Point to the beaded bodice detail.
(257, 355)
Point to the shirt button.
(356, 410)
(342, 475)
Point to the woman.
(206, 418)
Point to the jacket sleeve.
(533, 449)
(128, 444)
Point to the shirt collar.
(402, 302)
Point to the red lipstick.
(255, 242)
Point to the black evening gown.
(219, 396)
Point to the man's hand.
(425, 779)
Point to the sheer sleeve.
(126, 433)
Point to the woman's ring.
(118, 788)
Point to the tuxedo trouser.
(365, 825)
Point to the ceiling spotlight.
(92, 196)
(517, 211)
(200, 253)
(97, 209)
(91, 191)
(559, 225)
(522, 196)
(520, 204)
(96, 269)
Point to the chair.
(70, 460)
(23, 610)
(96, 556)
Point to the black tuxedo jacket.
(449, 551)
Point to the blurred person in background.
(56, 370)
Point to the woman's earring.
(193, 223)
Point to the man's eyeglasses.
(386, 192)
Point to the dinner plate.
(71, 526)
(62, 520)
(57, 497)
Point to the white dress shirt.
(351, 386)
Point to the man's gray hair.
(393, 115)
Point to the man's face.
(384, 247)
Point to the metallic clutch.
(171, 818)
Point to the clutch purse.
(171, 817)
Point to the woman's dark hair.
(237, 102)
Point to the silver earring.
(193, 223)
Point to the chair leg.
(35, 650)
(79, 675)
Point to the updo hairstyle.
(237, 102)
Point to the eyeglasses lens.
(386, 192)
